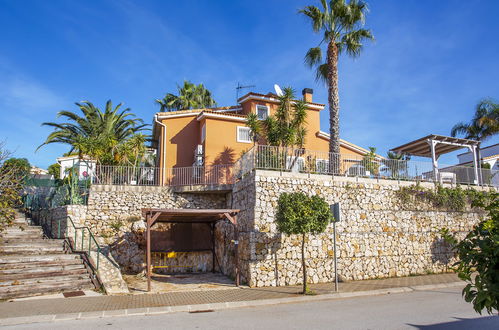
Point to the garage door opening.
(189, 232)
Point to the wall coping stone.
(330, 179)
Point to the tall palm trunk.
(334, 109)
(333, 98)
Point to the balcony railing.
(200, 175)
(318, 162)
(156, 176)
(293, 160)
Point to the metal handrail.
(75, 247)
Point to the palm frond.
(316, 16)
(313, 56)
(352, 42)
(321, 73)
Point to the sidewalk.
(43, 310)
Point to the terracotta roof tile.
(272, 95)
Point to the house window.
(203, 133)
(262, 112)
(243, 134)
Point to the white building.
(489, 155)
(85, 167)
(38, 171)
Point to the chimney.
(307, 94)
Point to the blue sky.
(431, 63)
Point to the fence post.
(89, 242)
(82, 237)
(97, 263)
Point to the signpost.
(336, 210)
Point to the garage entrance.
(190, 230)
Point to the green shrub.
(478, 255)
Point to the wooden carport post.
(233, 219)
(150, 221)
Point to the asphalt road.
(431, 309)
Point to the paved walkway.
(81, 307)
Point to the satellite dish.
(278, 90)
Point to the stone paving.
(96, 305)
(162, 283)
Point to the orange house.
(220, 136)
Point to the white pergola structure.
(433, 146)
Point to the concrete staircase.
(31, 265)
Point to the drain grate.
(202, 311)
(73, 294)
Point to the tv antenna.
(239, 87)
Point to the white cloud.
(21, 93)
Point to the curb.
(217, 306)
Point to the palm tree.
(96, 133)
(342, 26)
(190, 96)
(284, 129)
(484, 124)
(397, 164)
(287, 127)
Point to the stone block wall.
(109, 206)
(56, 224)
(114, 213)
(55, 221)
(378, 235)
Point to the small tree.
(55, 170)
(13, 171)
(370, 163)
(19, 166)
(298, 214)
(478, 255)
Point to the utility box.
(336, 210)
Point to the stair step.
(37, 258)
(6, 250)
(38, 264)
(56, 271)
(20, 291)
(23, 237)
(19, 243)
(44, 280)
(19, 240)
(22, 230)
(41, 269)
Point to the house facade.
(215, 136)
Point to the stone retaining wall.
(114, 212)
(56, 224)
(378, 235)
(110, 206)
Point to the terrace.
(221, 177)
